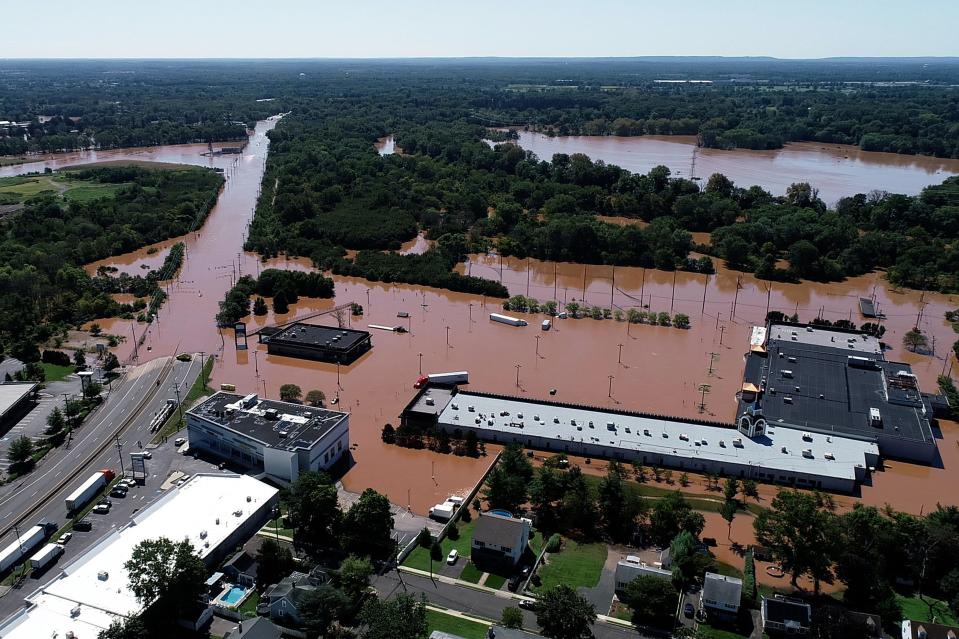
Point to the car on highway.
(64, 538)
(101, 509)
(452, 557)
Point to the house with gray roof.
(499, 541)
(721, 594)
(256, 628)
(785, 616)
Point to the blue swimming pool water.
(233, 596)
(504, 513)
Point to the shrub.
(554, 543)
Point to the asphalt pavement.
(478, 603)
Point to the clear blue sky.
(413, 28)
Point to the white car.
(179, 441)
(64, 538)
(146, 455)
(101, 509)
(452, 557)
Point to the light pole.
(264, 387)
(421, 363)
(537, 344)
(133, 329)
(338, 376)
(611, 378)
(447, 337)
(518, 366)
(256, 365)
(176, 389)
(620, 353)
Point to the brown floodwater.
(837, 170)
(656, 369)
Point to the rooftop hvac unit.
(556, 420)
(807, 437)
(722, 444)
(454, 406)
(429, 401)
(829, 456)
(684, 437)
(610, 426)
(738, 442)
(519, 415)
(807, 453)
(471, 409)
(784, 450)
(646, 432)
(103, 575)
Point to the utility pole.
(527, 277)
(179, 406)
(554, 281)
(518, 366)
(471, 317)
(256, 365)
(642, 288)
(611, 378)
(133, 329)
(421, 363)
(612, 290)
(672, 297)
(620, 354)
(722, 330)
(338, 376)
(584, 283)
(120, 453)
(703, 389)
(705, 286)
(447, 337)
(712, 358)
(537, 344)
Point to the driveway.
(601, 596)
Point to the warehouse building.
(320, 343)
(16, 400)
(775, 455)
(280, 439)
(835, 382)
(213, 512)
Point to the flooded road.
(653, 368)
(837, 170)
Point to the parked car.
(84, 525)
(452, 557)
(146, 455)
(116, 492)
(514, 582)
(64, 538)
(688, 610)
(101, 509)
(179, 441)
(527, 604)
(129, 483)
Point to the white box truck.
(458, 377)
(444, 511)
(29, 539)
(506, 319)
(46, 555)
(79, 498)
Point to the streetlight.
(611, 378)
(537, 344)
(620, 353)
(447, 337)
(256, 365)
(518, 366)
(421, 363)
(338, 376)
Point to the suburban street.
(474, 601)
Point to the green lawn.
(420, 557)
(708, 632)
(704, 503)
(91, 191)
(455, 625)
(495, 581)
(918, 610)
(575, 565)
(471, 573)
(536, 541)
(55, 372)
(248, 608)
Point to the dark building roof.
(821, 381)
(256, 628)
(499, 530)
(420, 406)
(785, 611)
(243, 563)
(291, 427)
(329, 338)
(924, 630)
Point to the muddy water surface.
(836, 170)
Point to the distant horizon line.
(853, 58)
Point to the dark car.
(514, 582)
(688, 610)
(84, 525)
(527, 604)
(118, 493)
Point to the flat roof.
(439, 395)
(815, 336)
(205, 510)
(821, 385)
(572, 423)
(319, 337)
(296, 426)
(11, 393)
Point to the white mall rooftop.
(609, 434)
(207, 510)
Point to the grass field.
(248, 608)
(55, 372)
(420, 557)
(575, 565)
(918, 610)
(455, 625)
(20, 188)
(91, 191)
(495, 581)
(704, 503)
(471, 573)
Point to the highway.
(126, 413)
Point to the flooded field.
(837, 170)
(655, 369)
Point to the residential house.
(284, 598)
(499, 541)
(241, 569)
(721, 594)
(256, 628)
(924, 630)
(785, 616)
(633, 567)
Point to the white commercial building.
(281, 439)
(212, 512)
(782, 455)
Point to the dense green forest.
(43, 286)
(904, 105)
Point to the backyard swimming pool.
(233, 596)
